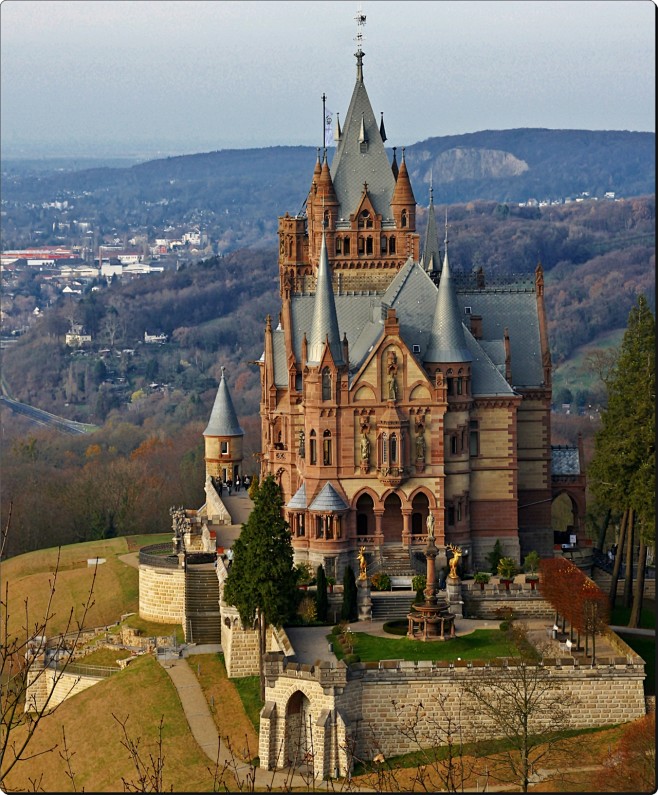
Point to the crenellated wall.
(359, 711)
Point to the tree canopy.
(622, 473)
(262, 580)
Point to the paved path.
(204, 730)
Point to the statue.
(454, 561)
(301, 444)
(392, 386)
(365, 447)
(362, 563)
(420, 443)
(430, 525)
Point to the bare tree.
(26, 657)
(519, 701)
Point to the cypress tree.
(349, 608)
(321, 598)
(622, 474)
(262, 583)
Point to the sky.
(131, 77)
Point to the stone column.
(364, 600)
(406, 526)
(454, 588)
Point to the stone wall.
(240, 645)
(162, 594)
(358, 712)
(60, 684)
(490, 602)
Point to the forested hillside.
(153, 401)
(236, 195)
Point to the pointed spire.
(337, 132)
(403, 194)
(382, 131)
(223, 419)
(447, 342)
(431, 259)
(394, 165)
(324, 328)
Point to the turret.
(223, 437)
(324, 328)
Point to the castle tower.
(223, 437)
(394, 391)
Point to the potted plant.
(531, 566)
(482, 578)
(506, 571)
(380, 581)
(331, 581)
(304, 576)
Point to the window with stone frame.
(326, 448)
(313, 448)
(326, 384)
(473, 438)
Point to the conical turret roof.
(223, 419)
(431, 259)
(447, 342)
(325, 321)
(403, 193)
(360, 155)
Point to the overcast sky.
(179, 76)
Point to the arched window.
(346, 246)
(394, 449)
(391, 245)
(404, 219)
(339, 245)
(416, 524)
(364, 515)
(313, 449)
(326, 448)
(369, 245)
(326, 384)
(383, 243)
(361, 244)
(325, 217)
(384, 443)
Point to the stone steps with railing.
(202, 605)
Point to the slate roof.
(325, 324)
(328, 500)
(350, 168)
(413, 295)
(446, 343)
(298, 501)
(565, 461)
(431, 256)
(223, 419)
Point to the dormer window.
(365, 220)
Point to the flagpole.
(324, 123)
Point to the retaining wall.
(162, 594)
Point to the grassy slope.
(575, 372)
(30, 576)
(100, 761)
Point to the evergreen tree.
(349, 608)
(494, 557)
(262, 583)
(622, 474)
(321, 598)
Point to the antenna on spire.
(446, 237)
(360, 22)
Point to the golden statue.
(362, 563)
(454, 560)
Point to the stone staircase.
(396, 562)
(202, 604)
(391, 605)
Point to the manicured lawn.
(483, 644)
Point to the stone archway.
(565, 517)
(392, 520)
(365, 516)
(298, 740)
(420, 508)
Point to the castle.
(395, 388)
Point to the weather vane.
(360, 21)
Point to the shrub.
(307, 610)
(507, 568)
(495, 555)
(380, 581)
(531, 562)
(482, 577)
(348, 659)
(419, 582)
